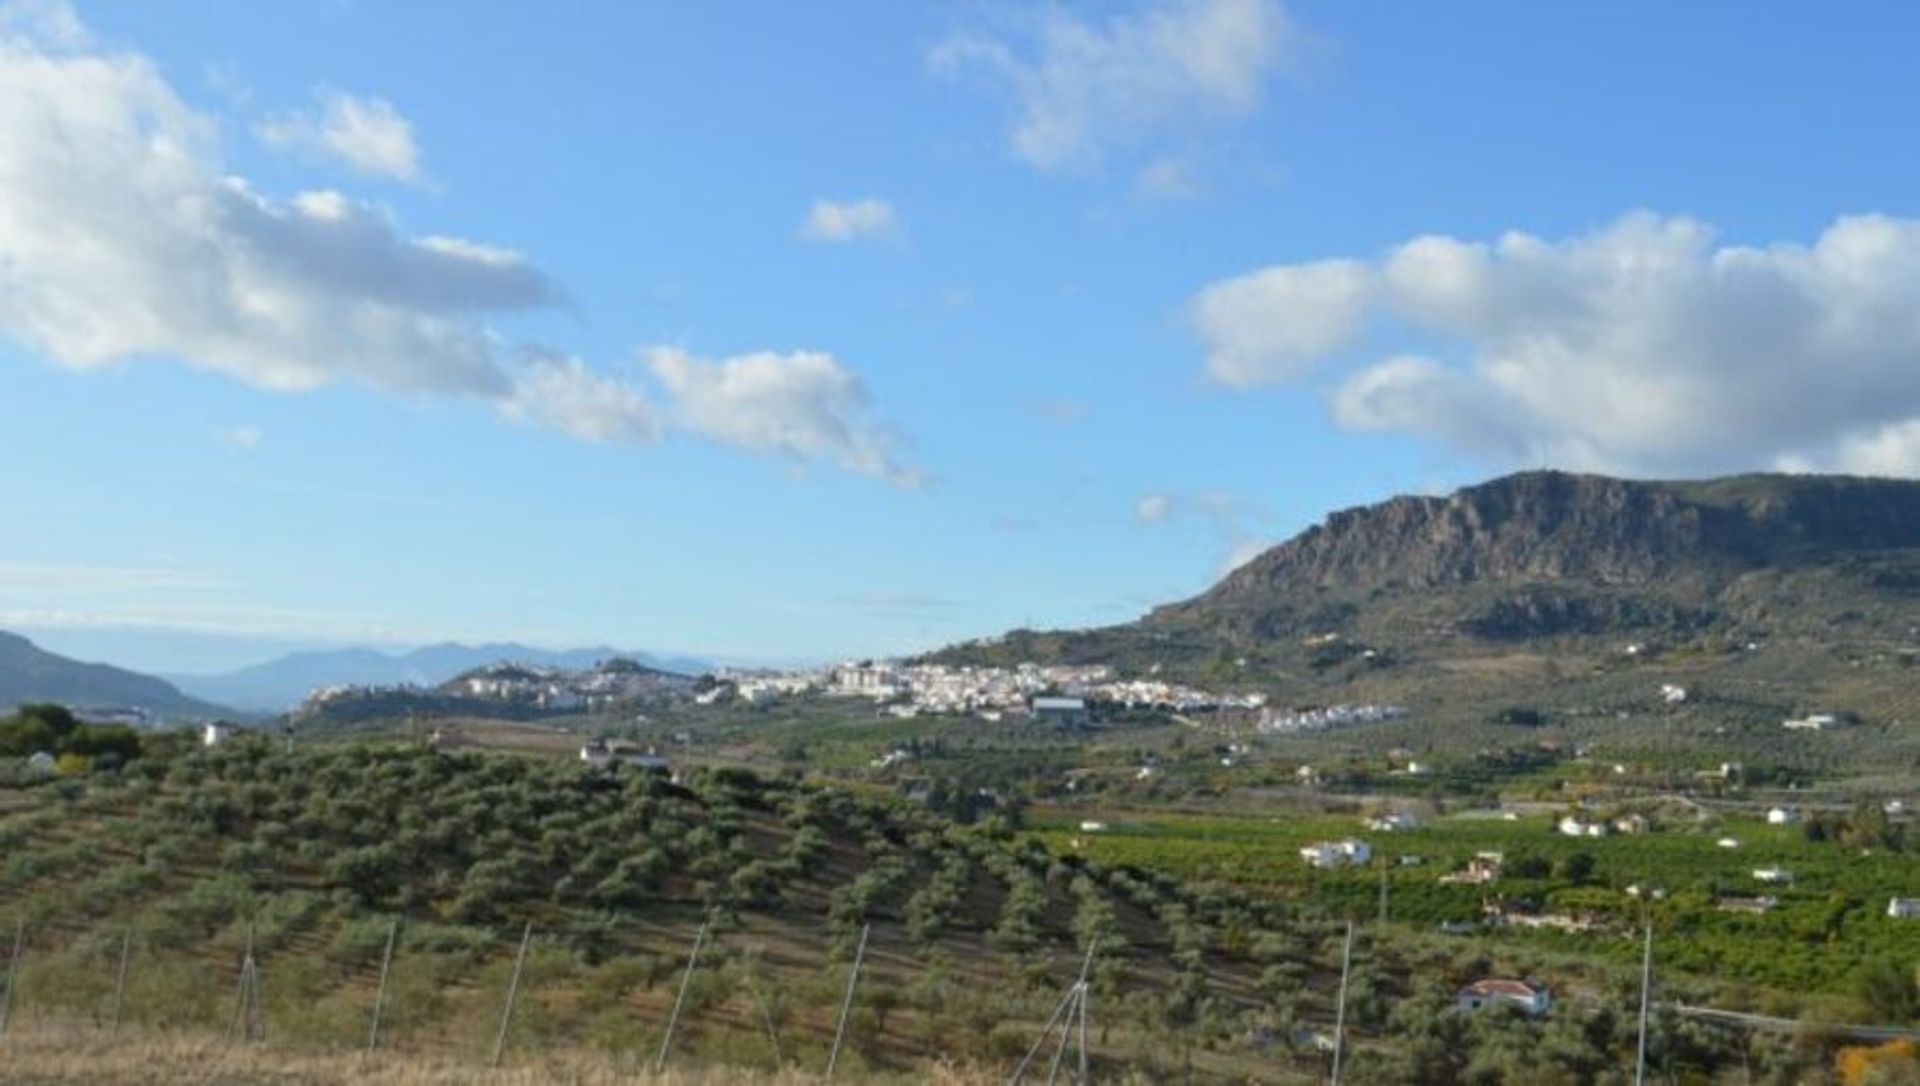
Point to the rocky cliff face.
(1550, 551)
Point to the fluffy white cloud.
(122, 238)
(1275, 324)
(367, 134)
(853, 220)
(802, 406)
(1645, 346)
(1152, 508)
(1082, 89)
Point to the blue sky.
(775, 331)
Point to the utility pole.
(380, 995)
(1646, 994)
(673, 1020)
(1383, 890)
(846, 1005)
(1070, 1015)
(120, 982)
(13, 972)
(513, 994)
(1340, 1009)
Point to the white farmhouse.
(215, 734)
(1571, 826)
(1348, 853)
(1482, 994)
(1782, 816)
(1903, 908)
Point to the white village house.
(1782, 816)
(1391, 821)
(1348, 853)
(1903, 908)
(1494, 992)
(602, 755)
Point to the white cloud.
(123, 238)
(1646, 346)
(563, 394)
(367, 134)
(853, 220)
(803, 406)
(1169, 178)
(1082, 90)
(1276, 323)
(1152, 508)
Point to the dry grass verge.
(36, 1055)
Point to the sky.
(779, 333)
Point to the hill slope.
(1414, 598)
(281, 683)
(30, 673)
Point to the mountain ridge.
(29, 673)
(282, 682)
(1541, 575)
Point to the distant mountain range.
(29, 673)
(282, 683)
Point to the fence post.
(846, 1005)
(513, 993)
(120, 981)
(13, 972)
(380, 995)
(673, 1020)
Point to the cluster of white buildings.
(1333, 716)
(555, 689)
(940, 688)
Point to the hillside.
(29, 673)
(1794, 588)
(281, 683)
(189, 858)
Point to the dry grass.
(44, 1054)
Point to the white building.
(1580, 827)
(1903, 908)
(1773, 876)
(1782, 816)
(1482, 994)
(1348, 853)
(1392, 821)
(215, 734)
(602, 755)
(1673, 694)
(1091, 826)
(1814, 722)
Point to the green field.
(1829, 921)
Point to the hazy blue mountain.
(282, 682)
(30, 673)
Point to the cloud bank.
(1082, 90)
(123, 238)
(1646, 346)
